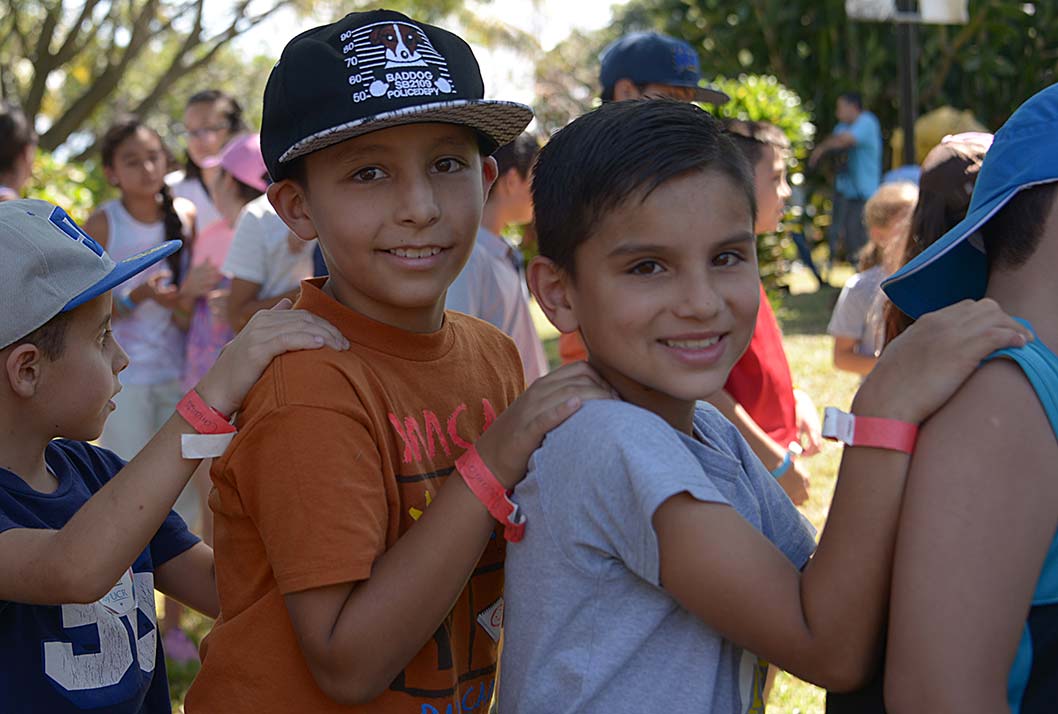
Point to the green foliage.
(763, 98)
(78, 187)
(77, 65)
(991, 65)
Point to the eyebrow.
(105, 322)
(637, 248)
(354, 153)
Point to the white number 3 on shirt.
(115, 618)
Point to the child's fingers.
(273, 322)
(549, 418)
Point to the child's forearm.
(845, 587)
(848, 359)
(81, 561)
(375, 627)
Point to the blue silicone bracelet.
(781, 469)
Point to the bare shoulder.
(98, 227)
(992, 431)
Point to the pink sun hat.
(241, 157)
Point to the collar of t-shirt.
(378, 336)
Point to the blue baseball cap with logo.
(48, 265)
(1023, 154)
(653, 58)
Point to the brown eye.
(645, 267)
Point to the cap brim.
(500, 121)
(124, 270)
(950, 270)
(710, 95)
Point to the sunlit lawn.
(804, 317)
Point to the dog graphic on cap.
(401, 42)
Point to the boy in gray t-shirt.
(658, 551)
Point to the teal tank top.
(1032, 687)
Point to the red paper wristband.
(483, 484)
(202, 417)
(885, 434)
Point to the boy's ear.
(550, 286)
(489, 173)
(288, 198)
(22, 368)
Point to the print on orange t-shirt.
(338, 454)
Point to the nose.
(699, 298)
(418, 207)
(120, 360)
(784, 190)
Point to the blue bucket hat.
(653, 58)
(1024, 153)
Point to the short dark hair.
(49, 338)
(854, 98)
(16, 133)
(1012, 235)
(619, 151)
(518, 155)
(752, 136)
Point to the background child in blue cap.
(85, 539)
(974, 613)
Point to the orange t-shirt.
(337, 455)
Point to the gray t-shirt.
(587, 626)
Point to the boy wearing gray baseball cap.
(85, 538)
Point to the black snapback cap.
(371, 71)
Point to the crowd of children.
(405, 512)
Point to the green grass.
(803, 313)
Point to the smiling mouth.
(692, 344)
(415, 253)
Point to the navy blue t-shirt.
(105, 656)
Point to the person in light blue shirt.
(492, 284)
(859, 135)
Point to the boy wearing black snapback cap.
(85, 539)
(359, 567)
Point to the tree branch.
(951, 53)
(43, 61)
(105, 83)
(70, 48)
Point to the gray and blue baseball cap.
(49, 265)
(1023, 154)
(653, 58)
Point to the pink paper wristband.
(483, 484)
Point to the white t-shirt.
(153, 342)
(192, 189)
(262, 253)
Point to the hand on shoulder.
(520, 429)
(920, 370)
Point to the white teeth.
(692, 344)
(415, 252)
